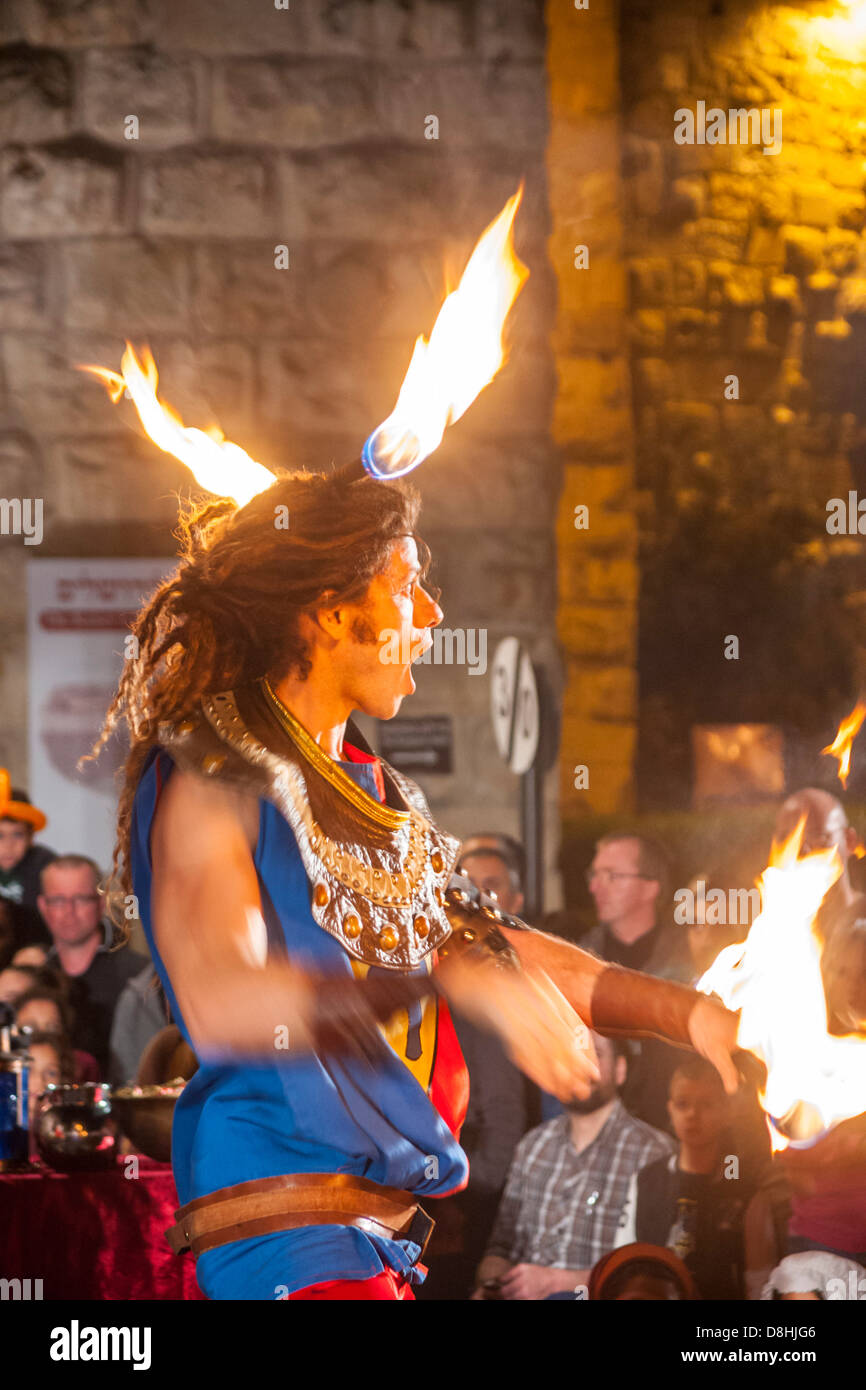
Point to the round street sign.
(514, 705)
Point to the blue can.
(14, 1133)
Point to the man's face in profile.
(389, 629)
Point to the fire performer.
(297, 897)
(293, 890)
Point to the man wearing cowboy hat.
(21, 863)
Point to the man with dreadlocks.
(300, 908)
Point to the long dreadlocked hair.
(230, 612)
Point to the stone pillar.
(593, 427)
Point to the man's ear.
(331, 618)
(852, 839)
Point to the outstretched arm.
(626, 1003)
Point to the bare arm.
(619, 1002)
(210, 932)
(208, 924)
(574, 971)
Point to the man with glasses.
(73, 907)
(629, 879)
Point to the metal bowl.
(146, 1119)
(75, 1128)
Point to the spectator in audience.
(15, 980)
(641, 1273)
(503, 1104)
(707, 1202)
(566, 1190)
(21, 862)
(51, 1064)
(84, 950)
(35, 955)
(8, 933)
(48, 1011)
(828, 1182)
(497, 865)
(629, 879)
(815, 1276)
(142, 1011)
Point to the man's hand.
(713, 1031)
(346, 1013)
(541, 1032)
(537, 1281)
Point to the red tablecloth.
(94, 1235)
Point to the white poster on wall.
(80, 611)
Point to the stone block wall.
(748, 265)
(261, 126)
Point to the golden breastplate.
(378, 873)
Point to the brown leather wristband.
(626, 1003)
(475, 921)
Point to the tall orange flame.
(217, 464)
(840, 748)
(463, 355)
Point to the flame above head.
(463, 355)
(814, 1079)
(840, 748)
(217, 464)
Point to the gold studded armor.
(379, 874)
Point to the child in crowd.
(21, 862)
(708, 1202)
(48, 1012)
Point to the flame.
(840, 748)
(217, 464)
(463, 355)
(814, 1079)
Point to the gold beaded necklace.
(329, 769)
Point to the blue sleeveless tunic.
(236, 1121)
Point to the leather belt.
(266, 1205)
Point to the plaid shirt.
(562, 1209)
